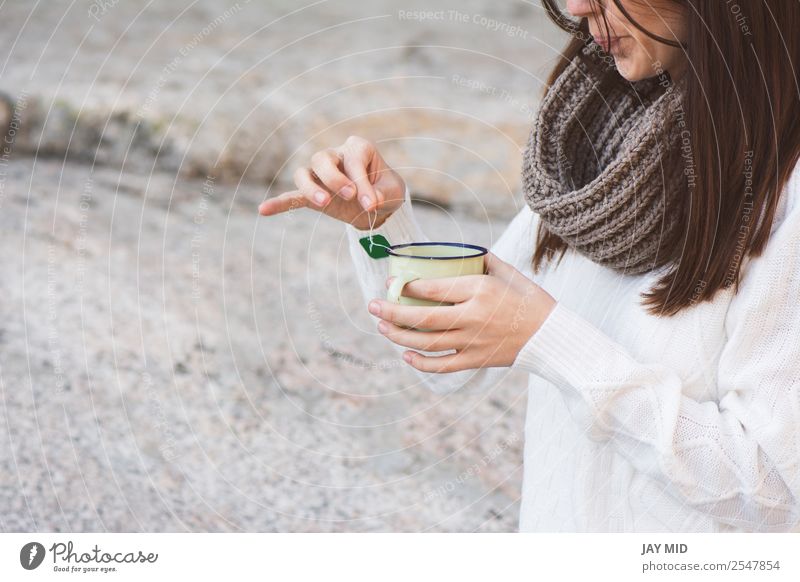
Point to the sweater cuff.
(569, 351)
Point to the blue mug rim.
(481, 250)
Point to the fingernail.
(348, 192)
(365, 202)
(407, 357)
(382, 327)
(374, 308)
(320, 197)
(389, 282)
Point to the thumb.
(496, 267)
(392, 187)
(505, 272)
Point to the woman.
(650, 286)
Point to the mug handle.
(396, 288)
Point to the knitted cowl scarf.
(602, 165)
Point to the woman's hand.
(349, 183)
(491, 318)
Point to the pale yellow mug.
(430, 260)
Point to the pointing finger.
(283, 203)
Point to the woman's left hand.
(492, 317)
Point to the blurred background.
(170, 361)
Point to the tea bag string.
(372, 221)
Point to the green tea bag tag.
(376, 246)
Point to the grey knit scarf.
(602, 165)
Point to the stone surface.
(250, 89)
(170, 361)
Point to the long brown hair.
(742, 114)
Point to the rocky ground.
(170, 361)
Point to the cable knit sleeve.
(402, 227)
(738, 459)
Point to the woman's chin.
(631, 70)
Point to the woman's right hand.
(349, 182)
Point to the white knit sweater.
(689, 423)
